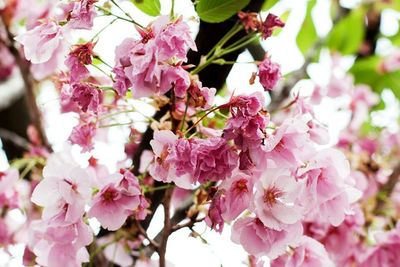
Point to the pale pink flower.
(58, 244)
(286, 145)
(269, 73)
(329, 190)
(174, 39)
(309, 253)
(238, 191)
(8, 192)
(276, 198)
(117, 251)
(259, 240)
(65, 187)
(82, 14)
(391, 63)
(42, 42)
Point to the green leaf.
(367, 71)
(214, 11)
(150, 7)
(268, 4)
(307, 35)
(347, 35)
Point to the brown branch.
(26, 75)
(167, 226)
(14, 138)
(386, 190)
(143, 232)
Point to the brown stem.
(386, 190)
(24, 68)
(167, 226)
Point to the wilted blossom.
(309, 253)
(269, 73)
(269, 24)
(259, 240)
(200, 96)
(276, 200)
(247, 126)
(80, 56)
(116, 201)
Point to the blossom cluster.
(275, 177)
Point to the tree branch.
(26, 75)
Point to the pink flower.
(276, 199)
(83, 135)
(80, 56)
(175, 77)
(116, 201)
(259, 240)
(269, 24)
(122, 83)
(269, 73)
(87, 97)
(58, 244)
(172, 39)
(82, 14)
(215, 160)
(65, 187)
(42, 42)
(328, 190)
(385, 252)
(391, 63)
(8, 193)
(151, 64)
(309, 253)
(201, 96)
(238, 192)
(186, 162)
(287, 144)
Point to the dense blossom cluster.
(287, 193)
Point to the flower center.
(271, 196)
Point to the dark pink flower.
(77, 59)
(88, 97)
(269, 73)
(215, 160)
(214, 216)
(269, 24)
